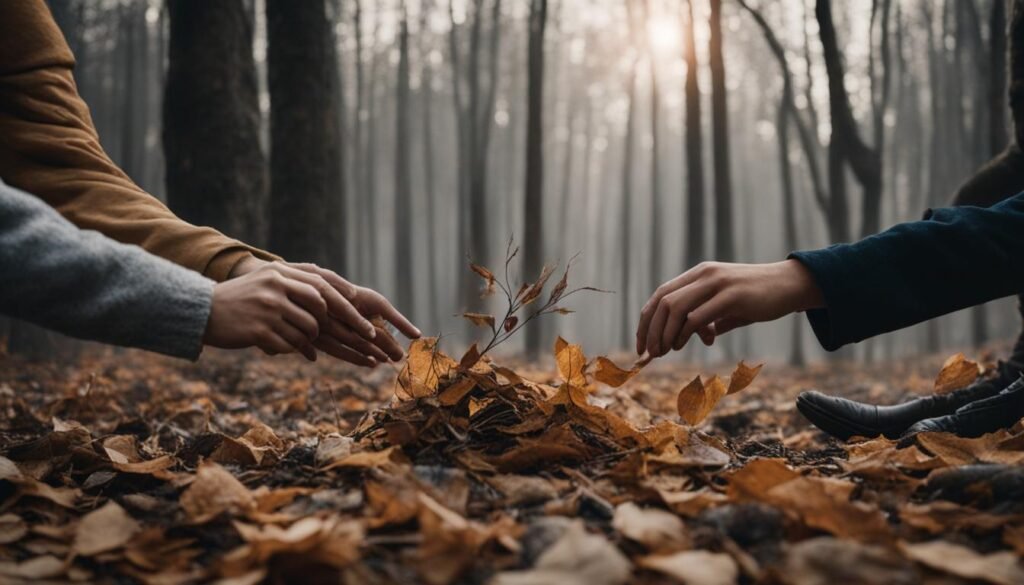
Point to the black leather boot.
(843, 418)
(978, 418)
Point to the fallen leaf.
(694, 567)
(12, 528)
(572, 363)
(742, 377)
(608, 373)
(1000, 568)
(697, 399)
(215, 491)
(825, 560)
(957, 372)
(656, 529)
(577, 558)
(104, 529)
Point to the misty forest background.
(391, 139)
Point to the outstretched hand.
(714, 298)
(345, 328)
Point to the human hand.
(265, 310)
(346, 333)
(714, 298)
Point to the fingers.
(273, 344)
(329, 290)
(727, 324)
(345, 336)
(653, 342)
(296, 312)
(706, 314)
(334, 348)
(651, 307)
(295, 339)
(391, 314)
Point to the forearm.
(85, 285)
(916, 271)
(50, 148)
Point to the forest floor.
(125, 467)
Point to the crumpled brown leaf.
(1000, 568)
(694, 567)
(104, 529)
(958, 372)
(214, 492)
(656, 529)
(577, 558)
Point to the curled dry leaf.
(656, 529)
(1000, 568)
(606, 372)
(488, 277)
(742, 377)
(697, 399)
(214, 492)
(572, 363)
(695, 567)
(576, 558)
(425, 366)
(104, 529)
(480, 319)
(958, 372)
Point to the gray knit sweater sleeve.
(83, 284)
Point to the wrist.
(246, 265)
(806, 294)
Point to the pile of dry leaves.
(133, 468)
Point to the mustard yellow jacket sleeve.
(49, 147)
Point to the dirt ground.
(126, 467)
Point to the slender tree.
(403, 180)
(215, 169)
(426, 93)
(724, 237)
(694, 146)
(533, 241)
(303, 129)
(657, 245)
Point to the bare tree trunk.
(533, 244)
(657, 245)
(430, 189)
(359, 226)
(404, 275)
(216, 174)
(625, 217)
(724, 245)
(694, 146)
(337, 209)
(303, 129)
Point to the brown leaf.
(470, 358)
(480, 319)
(368, 459)
(695, 567)
(454, 394)
(559, 289)
(42, 567)
(608, 373)
(1001, 568)
(487, 275)
(697, 399)
(510, 323)
(215, 491)
(576, 558)
(105, 529)
(742, 376)
(534, 291)
(958, 372)
(656, 529)
(425, 365)
(572, 363)
(12, 528)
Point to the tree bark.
(533, 243)
(724, 237)
(657, 245)
(303, 129)
(404, 252)
(216, 172)
(694, 146)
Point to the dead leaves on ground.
(475, 473)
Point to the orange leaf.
(480, 319)
(697, 399)
(572, 363)
(609, 373)
(742, 376)
(958, 372)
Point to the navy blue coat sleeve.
(953, 259)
